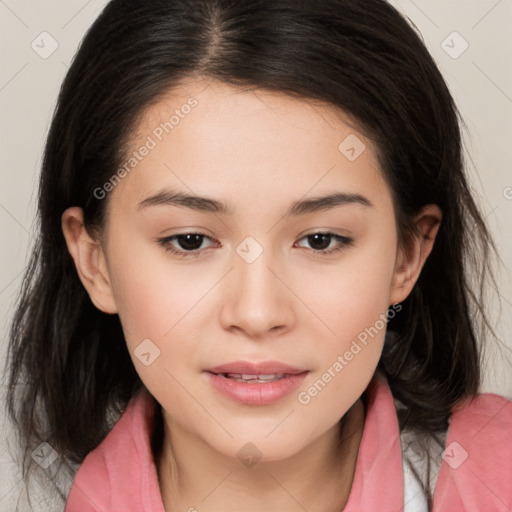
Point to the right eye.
(190, 244)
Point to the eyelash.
(343, 243)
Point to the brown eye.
(320, 242)
(184, 244)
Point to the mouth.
(250, 368)
(245, 377)
(264, 371)
(256, 383)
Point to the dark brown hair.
(70, 371)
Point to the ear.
(411, 257)
(90, 261)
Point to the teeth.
(266, 377)
(245, 377)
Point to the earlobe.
(89, 259)
(412, 257)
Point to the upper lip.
(262, 368)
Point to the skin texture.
(257, 151)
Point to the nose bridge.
(259, 300)
(253, 264)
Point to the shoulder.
(477, 462)
(485, 406)
(112, 471)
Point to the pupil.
(190, 243)
(325, 238)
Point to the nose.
(256, 298)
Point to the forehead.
(217, 98)
(204, 135)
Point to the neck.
(193, 476)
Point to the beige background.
(480, 79)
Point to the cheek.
(351, 299)
(156, 311)
(352, 294)
(151, 295)
(147, 306)
(164, 307)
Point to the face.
(256, 281)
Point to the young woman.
(251, 289)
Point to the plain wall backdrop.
(471, 41)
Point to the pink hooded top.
(475, 475)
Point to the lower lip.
(256, 393)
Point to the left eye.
(323, 240)
(190, 243)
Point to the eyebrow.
(209, 205)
